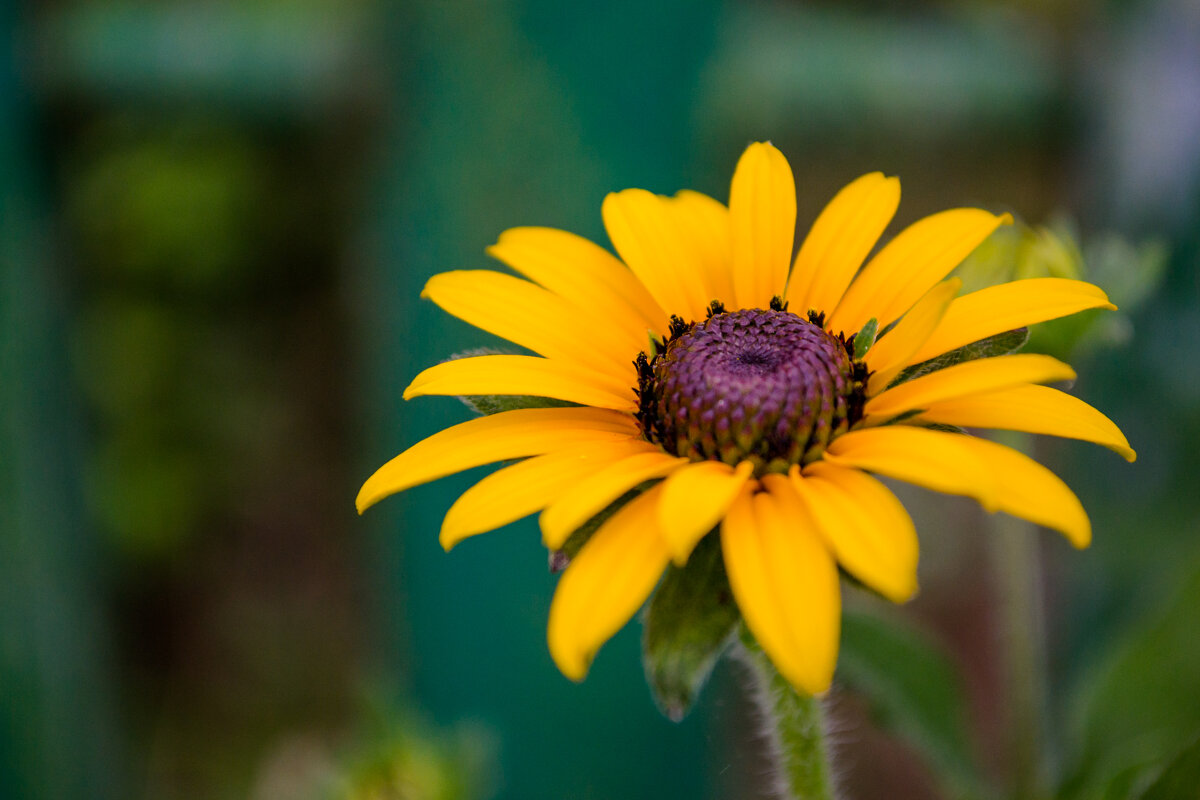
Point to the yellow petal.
(1000, 478)
(580, 271)
(865, 526)
(1030, 491)
(894, 351)
(933, 459)
(1033, 409)
(920, 256)
(525, 375)
(694, 499)
(527, 487)
(840, 239)
(997, 309)
(785, 583)
(606, 584)
(967, 378)
(590, 496)
(762, 211)
(645, 230)
(530, 316)
(704, 223)
(509, 434)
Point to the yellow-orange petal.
(785, 583)
(907, 266)
(762, 212)
(894, 351)
(528, 315)
(967, 378)
(606, 584)
(864, 524)
(590, 496)
(933, 459)
(644, 228)
(840, 239)
(704, 224)
(580, 271)
(1028, 490)
(1032, 409)
(527, 487)
(509, 434)
(1001, 308)
(1000, 478)
(525, 375)
(694, 499)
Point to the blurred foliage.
(177, 207)
(389, 753)
(1138, 705)
(1129, 273)
(914, 690)
(409, 763)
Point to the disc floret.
(764, 386)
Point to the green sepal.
(690, 621)
(999, 345)
(913, 690)
(559, 559)
(865, 338)
(488, 404)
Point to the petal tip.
(364, 501)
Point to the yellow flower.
(764, 422)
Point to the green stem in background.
(1018, 570)
(794, 726)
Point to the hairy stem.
(794, 728)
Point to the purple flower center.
(764, 386)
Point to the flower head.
(732, 390)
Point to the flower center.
(764, 386)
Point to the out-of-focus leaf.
(688, 624)
(1130, 273)
(999, 345)
(1180, 778)
(913, 690)
(1142, 701)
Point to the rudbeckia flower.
(740, 388)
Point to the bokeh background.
(215, 220)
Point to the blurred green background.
(215, 220)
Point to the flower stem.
(1018, 569)
(794, 728)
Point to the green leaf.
(687, 626)
(913, 690)
(999, 345)
(1180, 778)
(865, 338)
(1142, 700)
